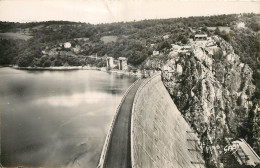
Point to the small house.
(166, 36)
(156, 53)
(200, 37)
(67, 45)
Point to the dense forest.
(133, 39)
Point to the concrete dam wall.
(160, 137)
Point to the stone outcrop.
(212, 90)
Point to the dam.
(148, 131)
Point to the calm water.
(56, 118)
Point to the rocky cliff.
(213, 90)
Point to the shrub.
(58, 63)
(23, 61)
(47, 63)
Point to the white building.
(67, 45)
(175, 47)
(166, 37)
(122, 63)
(241, 25)
(110, 62)
(156, 53)
(200, 37)
(76, 49)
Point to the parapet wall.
(108, 137)
(160, 137)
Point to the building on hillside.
(241, 25)
(156, 53)
(200, 37)
(77, 49)
(67, 45)
(166, 37)
(186, 48)
(122, 63)
(175, 47)
(81, 39)
(181, 48)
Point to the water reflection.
(56, 118)
(75, 99)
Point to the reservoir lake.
(57, 118)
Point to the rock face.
(211, 88)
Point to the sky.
(107, 11)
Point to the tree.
(23, 61)
(218, 54)
(184, 40)
(217, 31)
(58, 62)
(47, 63)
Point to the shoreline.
(58, 68)
(62, 68)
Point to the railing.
(133, 115)
(108, 137)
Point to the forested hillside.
(133, 39)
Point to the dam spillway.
(148, 131)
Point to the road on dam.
(119, 154)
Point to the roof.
(122, 58)
(201, 35)
(187, 47)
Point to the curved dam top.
(119, 153)
(117, 150)
(148, 131)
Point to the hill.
(132, 39)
